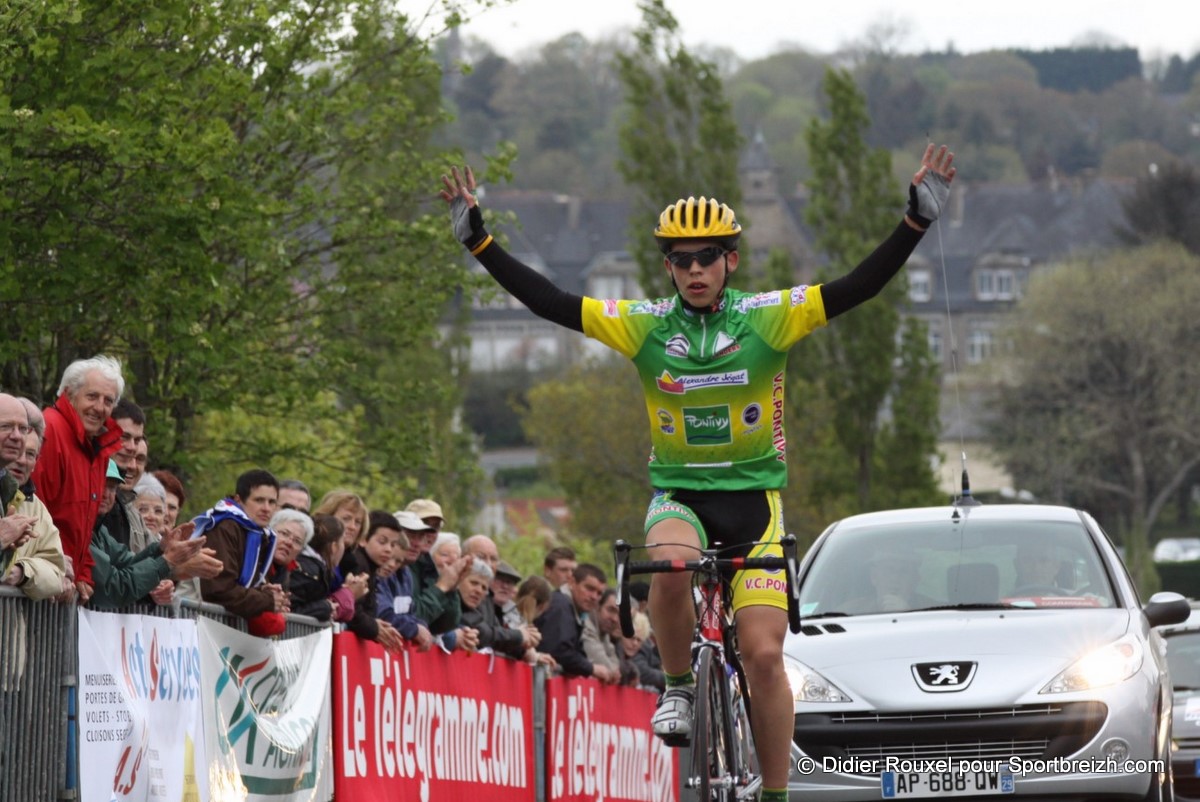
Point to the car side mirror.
(1166, 607)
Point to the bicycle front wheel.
(713, 764)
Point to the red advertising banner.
(430, 726)
(601, 747)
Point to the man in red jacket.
(80, 437)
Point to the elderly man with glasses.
(31, 556)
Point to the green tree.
(560, 109)
(1100, 407)
(1164, 205)
(678, 137)
(232, 196)
(870, 359)
(587, 424)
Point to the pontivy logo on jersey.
(707, 426)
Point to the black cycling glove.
(926, 200)
(468, 224)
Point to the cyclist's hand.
(465, 215)
(930, 187)
(459, 186)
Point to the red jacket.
(69, 477)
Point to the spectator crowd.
(83, 521)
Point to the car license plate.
(911, 784)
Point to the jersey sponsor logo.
(765, 583)
(707, 426)
(669, 384)
(797, 295)
(762, 299)
(679, 346)
(751, 418)
(725, 345)
(611, 309)
(666, 423)
(659, 308)
(778, 439)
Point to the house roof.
(1035, 224)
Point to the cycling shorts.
(747, 523)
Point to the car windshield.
(979, 564)
(1183, 659)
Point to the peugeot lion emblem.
(943, 677)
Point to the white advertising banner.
(139, 709)
(266, 715)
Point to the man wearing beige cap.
(428, 511)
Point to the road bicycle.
(724, 765)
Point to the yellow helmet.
(691, 219)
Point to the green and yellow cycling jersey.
(713, 381)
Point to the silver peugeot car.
(977, 651)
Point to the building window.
(979, 345)
(996, 284)
(935, 342)
(985, 285)
(920, 286)
(606, 287)
(1006, 285)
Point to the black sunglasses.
(705, 256)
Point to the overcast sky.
(755, 28)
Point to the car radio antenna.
(964, 499)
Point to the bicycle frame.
(724, 765)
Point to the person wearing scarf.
(236, 528)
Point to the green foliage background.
(234, 198)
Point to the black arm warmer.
(865, 281)
(532, 288)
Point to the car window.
(1183, 659)
(894, 568)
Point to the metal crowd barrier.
(39, 663)
(38, 667)
(38, 656)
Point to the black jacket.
(649, 666)
(363, 623)
(501, 639)
(562, 635)
(309, 587)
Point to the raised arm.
(521, 281)
(927, 196)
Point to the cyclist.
(711, 361)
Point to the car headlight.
(1116, 662)
(810, 686)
